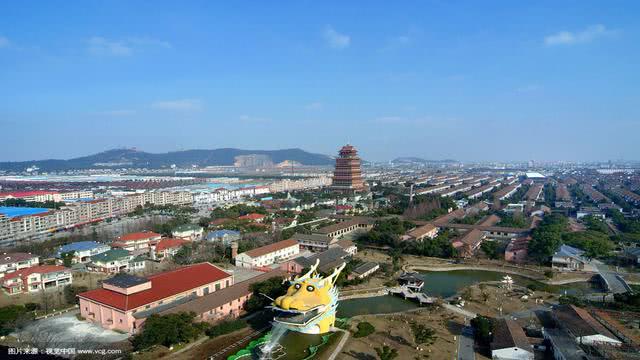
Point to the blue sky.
(505, 80)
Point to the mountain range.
(132, 158)
(417, 160)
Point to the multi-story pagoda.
(347, 176)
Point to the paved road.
(343, 341)
(465, 345)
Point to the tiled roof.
(422, 230)
(507, 334)
(163, 285)
(79, 246)
(43, 269)
(170, 243)
(9, 258)
(21, 194)
(253, 216)
(271, 248)
(218, 298)
(111, 255)
(138, 236)
(579, 321)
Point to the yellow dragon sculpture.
(309, 306)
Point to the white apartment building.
(268, 255)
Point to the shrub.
(548, 274)
(364, 329)
(225, 327)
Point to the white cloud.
(317, 105)
(179, 105)
(335, 39)
(123, 112)
(98, 45)
(101, 46)
(4, 42)
(250, 118)
(570, 38)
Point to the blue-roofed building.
(569, 258)
(224, 236)
(13, 211)
(82, 250)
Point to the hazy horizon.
(437, 80)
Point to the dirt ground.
(395, 331)
(487, 300)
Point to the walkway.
(343, 341)
(410, 294)
(465, 345)
(614, 283)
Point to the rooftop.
(507, 333)
(257, 252)
(125, 280)
(110, 255)
(138, 236)
(163, 285)
(170, 243)
(12, 211)
(79, 246)
(8, 258)
(41, 269)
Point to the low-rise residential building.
(510, 342)
(138, 242)
(36, 278)
(329, 260)
(115, 261)
(469, 242)
(582, 327)
(82, 251)
(346, 227)
(313, 242)
(427, 231)
(570, 258)
(10, 262)
(189, 232)
(226, 237)
(269, 254)
(517, 250)
(253, 217)
(364, 270)
(125, 301)
(346, 245)
(167, 248)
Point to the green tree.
(167, 330)
(67, 258)
(482, 327)
(386, 353)
(364, 329)
(594, 243)
(71, 291)
(490, 248)
(547, 237)
(272, 288)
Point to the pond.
(448, 283)
(373, 305)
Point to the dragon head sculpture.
(309, 306)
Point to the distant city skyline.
(436, 80)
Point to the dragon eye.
(310, 288)
(297, 286)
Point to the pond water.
(373, 305)
(449, 283)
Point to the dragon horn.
(334, 277)
(310, 272)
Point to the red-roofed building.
(125, 301)
(138, 242)
(36, 195)
(255, 217)
(166, 248)
(36, 278)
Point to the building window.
(217, 286)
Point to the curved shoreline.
(474, 267)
